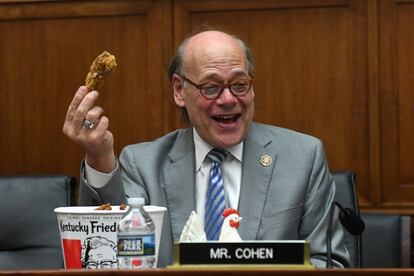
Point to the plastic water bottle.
(136, 237)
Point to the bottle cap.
(136, 200)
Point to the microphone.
(350, 220)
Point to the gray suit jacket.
(288, 200)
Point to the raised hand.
(86, 125)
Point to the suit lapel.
(180, 178)
(255, 182)
(179, 182)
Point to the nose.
(226, 97)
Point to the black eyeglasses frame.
(223, 86)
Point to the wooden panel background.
(396, 21)
(337, 69)
(46, 49)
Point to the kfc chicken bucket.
(89, 236)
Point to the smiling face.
(215, 57)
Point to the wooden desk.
(215, 272)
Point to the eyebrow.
(217, 77)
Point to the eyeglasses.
(92, 264)
(212, 91)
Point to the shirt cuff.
(98, 179)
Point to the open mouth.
(227, 119)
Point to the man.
(278, 179)
(95, 253)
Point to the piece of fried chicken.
(100, 67)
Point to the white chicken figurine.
(194, 232)
(231, 222)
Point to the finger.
(103, 124)
(86, 104)
(99, 128)
(98, 135)
(94, 114)
(77, 99)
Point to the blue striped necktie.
(215, 198)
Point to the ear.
(178, 88)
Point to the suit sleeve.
(319, 197)
(125, 182)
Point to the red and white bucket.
(89, 236)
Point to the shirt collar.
(202, 149)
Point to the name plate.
(242, 253)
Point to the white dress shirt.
(231, 169)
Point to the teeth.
(226, 117)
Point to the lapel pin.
(266, 160)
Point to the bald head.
(207, 42)
(212, 47)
